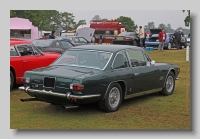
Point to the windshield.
(70, 37)
(42, 42)
(13, 51)
(84, 58)
(125, 34)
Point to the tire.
(168, 88)
(134, 43)
(182, 47)
(11, 80)
(169, 46)
(106, 105)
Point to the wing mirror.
(153, 62)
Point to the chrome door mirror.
(153, 62)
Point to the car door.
(29, 59)
(122, 70)
(145, 75)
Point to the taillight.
(127, 38)
(76, 87)
(25, 80)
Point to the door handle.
(136, 74)
(24, 61)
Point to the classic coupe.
(127, 38)
(24, 56)
(53, 45)
(99, 74)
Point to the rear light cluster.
(127, 38)
(77, 87)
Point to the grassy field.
(145, 112)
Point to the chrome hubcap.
(169, 45)
(114, 97)
(170, 83)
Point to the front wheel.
(169, 86)
(113, 99)
(11, 80)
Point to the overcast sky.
(141, 17)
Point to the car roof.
(109, 48)
(16, 41)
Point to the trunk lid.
(155, 31)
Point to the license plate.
(49, 82)
(119, 38)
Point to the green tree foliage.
(96, 17)
(128, 23)
(46, 19)
(149, 26)
(187, 18)
(80, 22)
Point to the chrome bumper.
(68, 95)
(177, 78)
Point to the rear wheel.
(134, 43)
(113, 99)
(11, 80)
(169, 46)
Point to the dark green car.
(99, 74)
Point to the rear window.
(42, 42)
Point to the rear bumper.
(68, 95)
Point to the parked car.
(75, 40)
(23, 57)
(187, 39)
(152, 40)
(53, 45)
(127, 38)
(99, 74)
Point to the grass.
(145, 112)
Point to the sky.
(140, 17)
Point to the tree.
(187, 18)
(96, 17)
(161, 26)
(80, 22)
(104, 19)
(149, 26)
(67, 21)
(128, 23)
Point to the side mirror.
(153, 62)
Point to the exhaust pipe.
(70, 107)
(28, 99)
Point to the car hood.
(155, 31)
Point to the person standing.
(52, 35)
(141, 35)
(100, 39)
(162, 37)
(182, 34)
(145, 36)
(93, 39)
(177, 37)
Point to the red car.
(24, 56)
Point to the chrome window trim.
(115, 58)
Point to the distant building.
(23, 29)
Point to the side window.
(137, 58)
(25, 50)
(121, 61)
(82, 40)
(13, 51)
(66, 44)
(76, 40)
(57, 44)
